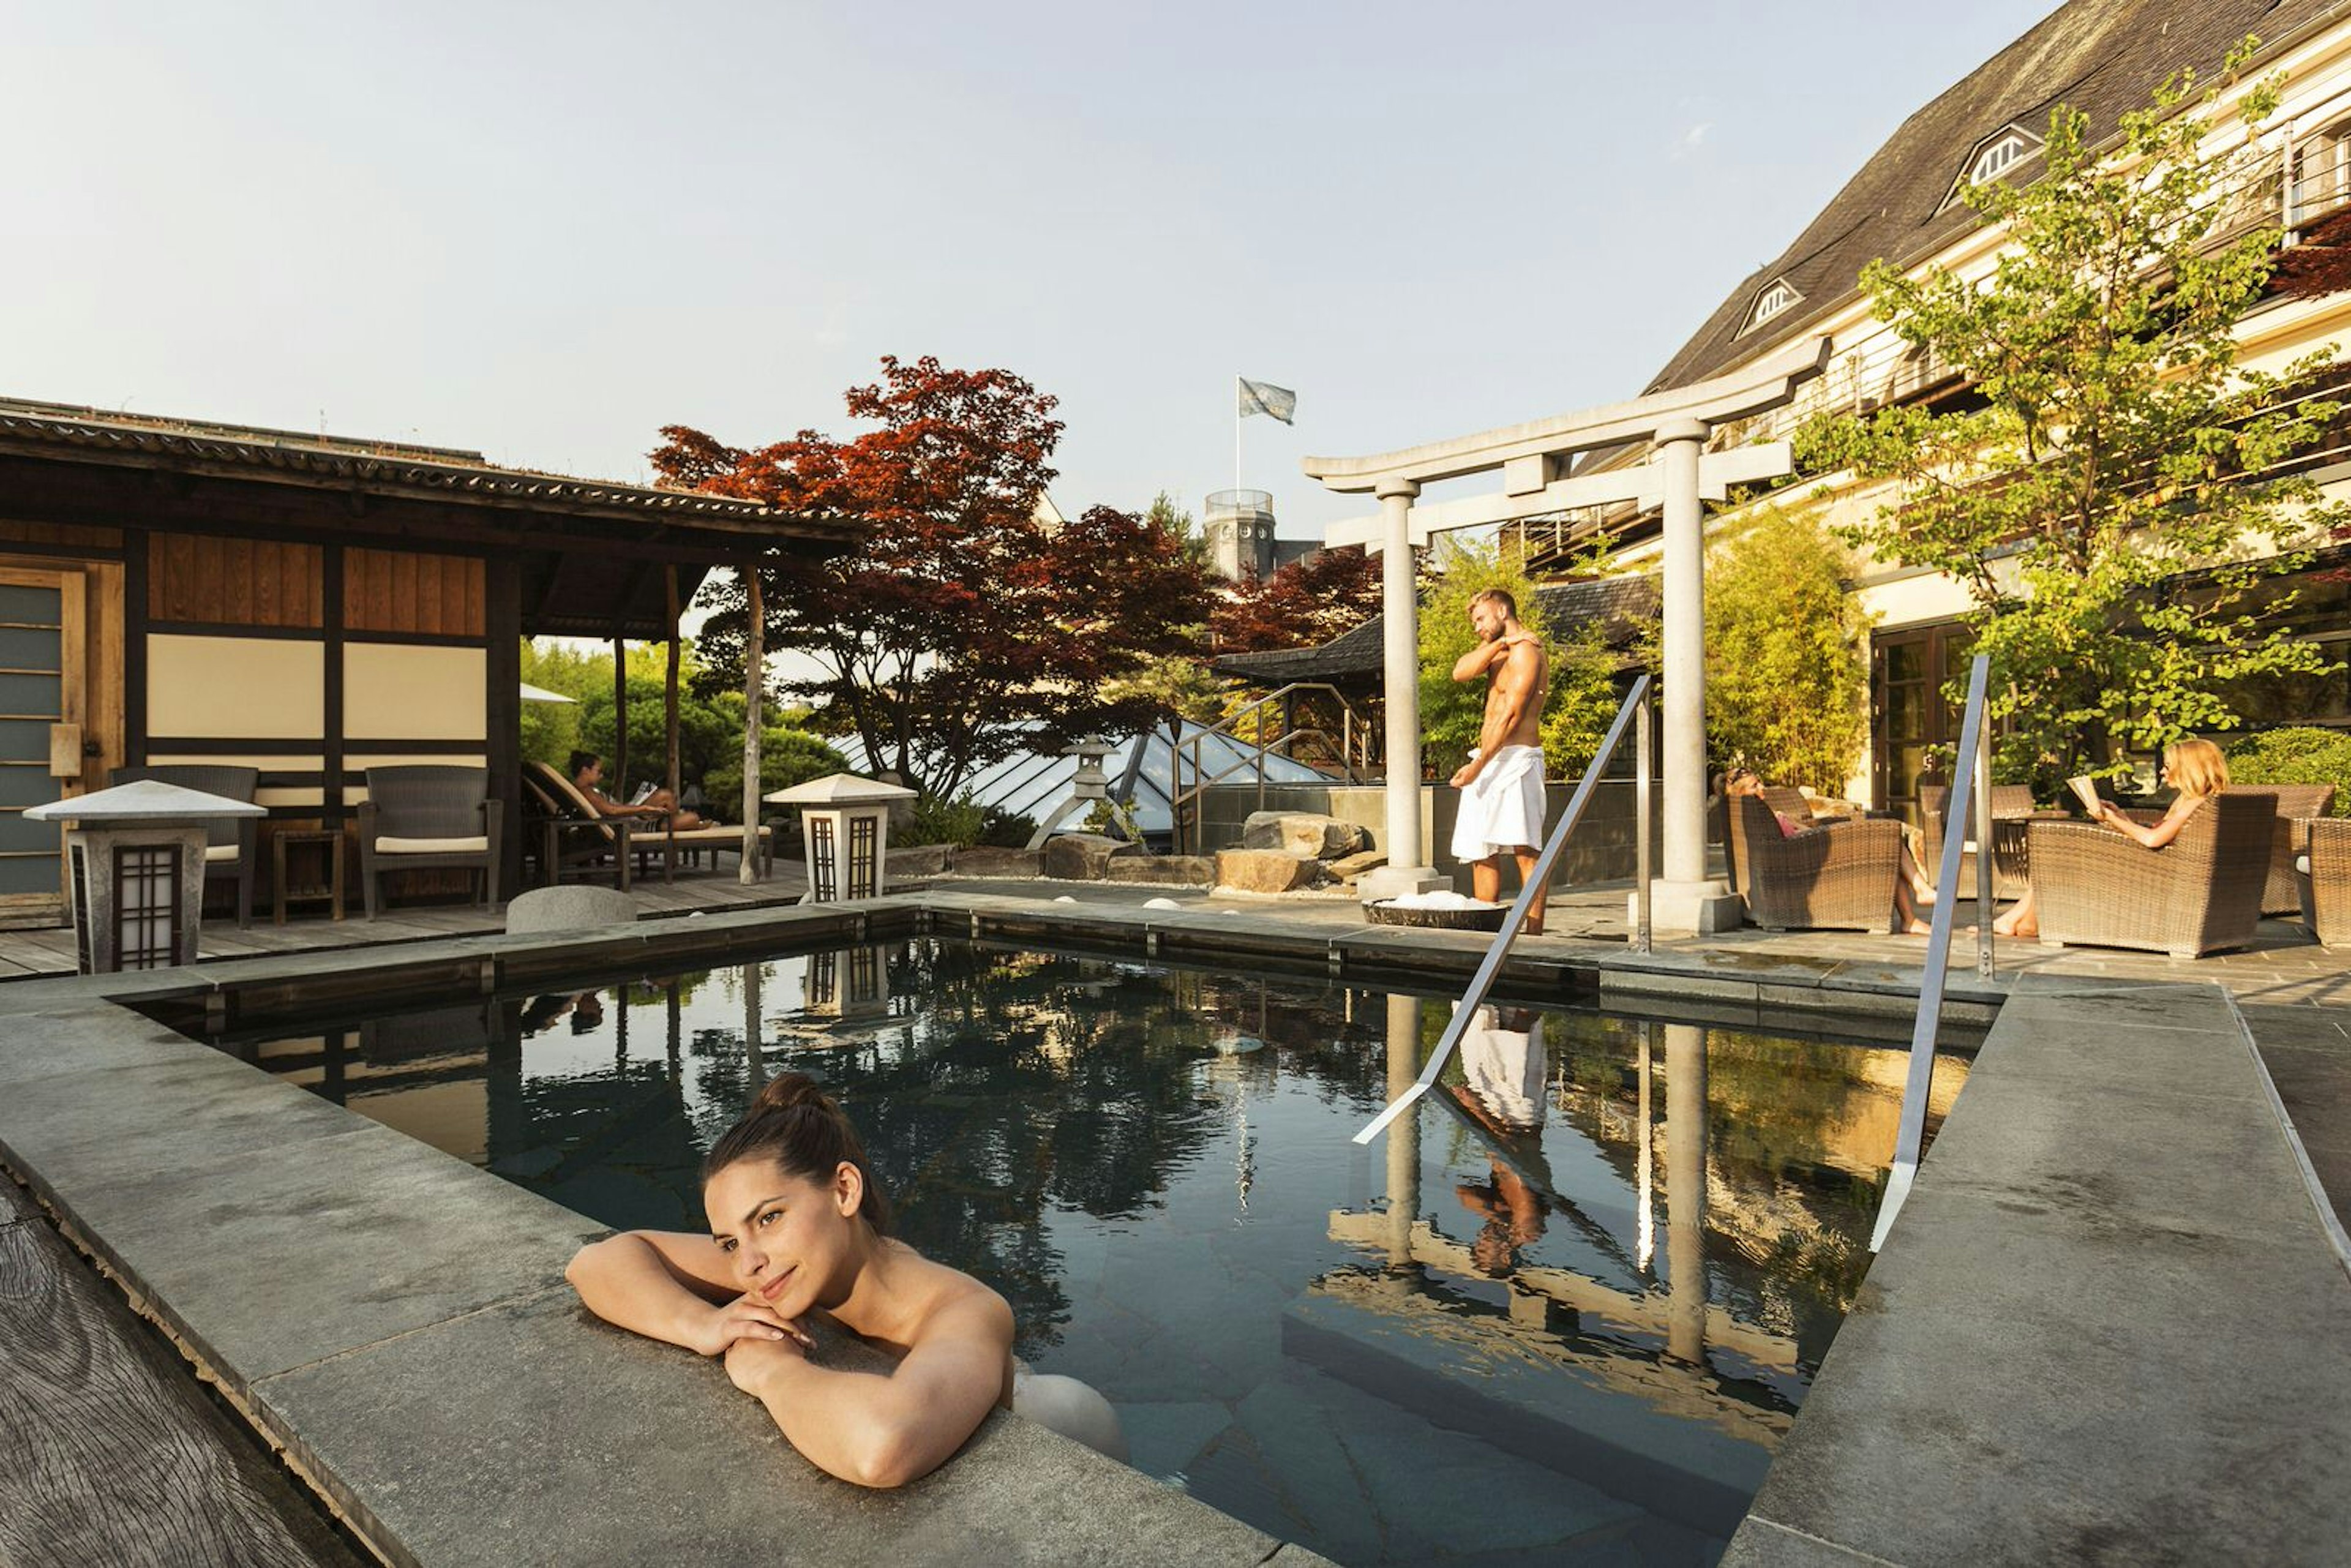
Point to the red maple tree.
(966, 627)
(1303, 605)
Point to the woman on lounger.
(587, 776)
(1912, 891)
(2195, 769)
(797, 1226)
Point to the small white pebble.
(1065, 898)
(1161, 904)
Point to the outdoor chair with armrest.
(2198, 895)
(651, 838)
(1839, 875)
(573, 836)
(429, 817)
(2297, 806)
(2324, 876)
(2010, 803)
(232, 844)
(1789, 803)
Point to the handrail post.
(1643, 740)
(1983, 858)
(1911, 1136)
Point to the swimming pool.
(1562, 1313)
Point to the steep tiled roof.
(1566, 607)
(296, 458)
(2101, 57)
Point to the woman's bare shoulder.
(952, 1300)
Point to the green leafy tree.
(2115, 443)
(1787, 681)
(788, 756)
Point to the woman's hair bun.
(786, 1091)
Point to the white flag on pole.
(1264, 397)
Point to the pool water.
(1563, 1313)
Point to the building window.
(2321, 181)
(1771, 302)
(1999, 158)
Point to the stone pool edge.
(446, 1396)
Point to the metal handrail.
(1180, 797)
(1969, 770)
(1634, 713)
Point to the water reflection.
(1153, 1167)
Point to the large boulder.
(569, 907)
(1161, 870)
(1308, 834)
(1266, 871)
(1347, 868)
(919, 860)
(1084, 857)
(988, 859)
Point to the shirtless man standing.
(1502, 784)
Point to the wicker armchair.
(232, 844)
(2297, 805)
(2200, 894)
(429, 817)
(2326, 880)
(1786, 802)
(1838, 876)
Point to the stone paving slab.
(529, 1433)
(2109, 1325)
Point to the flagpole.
(1237, 437)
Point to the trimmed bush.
(2300, 755)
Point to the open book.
(2085, 791)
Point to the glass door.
(41, 646)
(1912, 722)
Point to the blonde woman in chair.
(2194, 769)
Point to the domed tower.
(1239, 531)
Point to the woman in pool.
(2195, 771)
(797, 1225)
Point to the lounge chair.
(2198, 895)
(429, 817)
(1840, 875)
(571, 838)
(2325, 878)
(1789, 803)
(232, 844)
(648, 838)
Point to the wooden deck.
(26, 954)
(115, 1455)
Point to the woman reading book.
(2195, 769)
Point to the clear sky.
(543, 231)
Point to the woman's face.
(786, 1236)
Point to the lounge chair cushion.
(388, 845)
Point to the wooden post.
(753, 683)
(669, 690)
(619, 787)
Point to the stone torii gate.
(1532, 460)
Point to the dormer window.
(1996, 155)
(1777, 297)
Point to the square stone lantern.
(136, 859)
(845, 822)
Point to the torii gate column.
(1684, 899)
(1407, 871)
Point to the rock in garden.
(919, 860)
(1084, 857)
(1161, 870)
(986, 859)
(1266, 871)
(1308, 834)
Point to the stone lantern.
(845, 822)
(1089, 785)
(136, 856)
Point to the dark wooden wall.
(207, 579)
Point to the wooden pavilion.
(183, 592)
